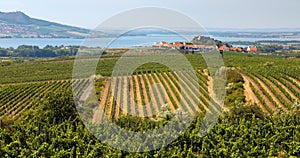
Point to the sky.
(209, 13)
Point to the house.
(239, 49)
(164, 43)
(233, 49)
(161, 44)
(223, 47)
(178, 44)
(251, 49)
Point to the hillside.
(20, 25)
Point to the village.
(195, 47)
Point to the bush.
(233, 76)
(6, 63)
(247, 111)
(58, 107)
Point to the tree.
(58, 107)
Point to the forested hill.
(18, 24)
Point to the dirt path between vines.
(288, 90)
(294, 80)
(98, 112)
(172, 107)
(139, 104)
(110, 104)
(251, 94)
(250, 97)
(195, 82)
(171, 91)
(154, 103)
(125, 97)
(273, 96)
(131, 96)
(211, 92)
(196, 92)
(190, 111)
(292, 84)
(279, 91)
(159, 95)
(116, 108)
(146, 99)
(195, 103)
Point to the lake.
(122, 42)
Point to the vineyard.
(260, 116)
(272, 93)
(18, 98)
(143, 95)
(269, 84)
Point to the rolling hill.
(19, 25)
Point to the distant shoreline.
(124, 42)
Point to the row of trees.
(35, 51)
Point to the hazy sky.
(209, 13)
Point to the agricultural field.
(261, 107)
(17, 98)
(272, 83)
(144, 94)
